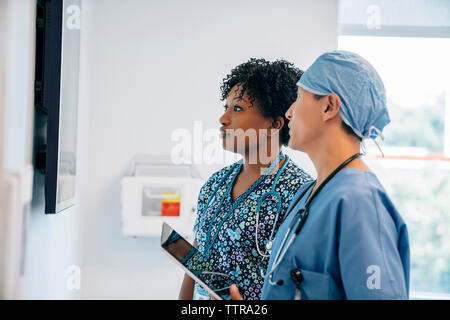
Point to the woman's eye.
(235, 108)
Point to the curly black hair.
(273, 85)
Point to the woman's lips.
(224, 133)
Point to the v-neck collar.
(253, 186)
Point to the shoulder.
(351, 184)
(360, 196)
(208, 189)
(215, 179)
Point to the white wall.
(18, 52)
(16, 80)
(53, 245)
(147, 68)
(3, 37)
(51, 240)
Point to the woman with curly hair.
(241, 206)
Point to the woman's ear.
(331, 107)
(278, 123)
(276, 126)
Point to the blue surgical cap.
(356, 82)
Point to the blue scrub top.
(353, 245)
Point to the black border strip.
(52, 89)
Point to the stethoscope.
(210, 241)
(300, 218)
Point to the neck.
(331, 152)
(252, 166)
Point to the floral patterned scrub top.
(231, 235)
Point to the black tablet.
(189, 258)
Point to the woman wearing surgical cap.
(343, 237)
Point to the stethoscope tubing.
(301, 219)
(210, 241)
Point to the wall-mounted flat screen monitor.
(56, 99)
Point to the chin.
(224, 145)
(233, 148)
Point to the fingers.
(234, 292)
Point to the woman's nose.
(289, 112)
(224, 119)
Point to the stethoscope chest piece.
(297, 277)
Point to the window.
(411, 56)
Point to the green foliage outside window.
(421, 194)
